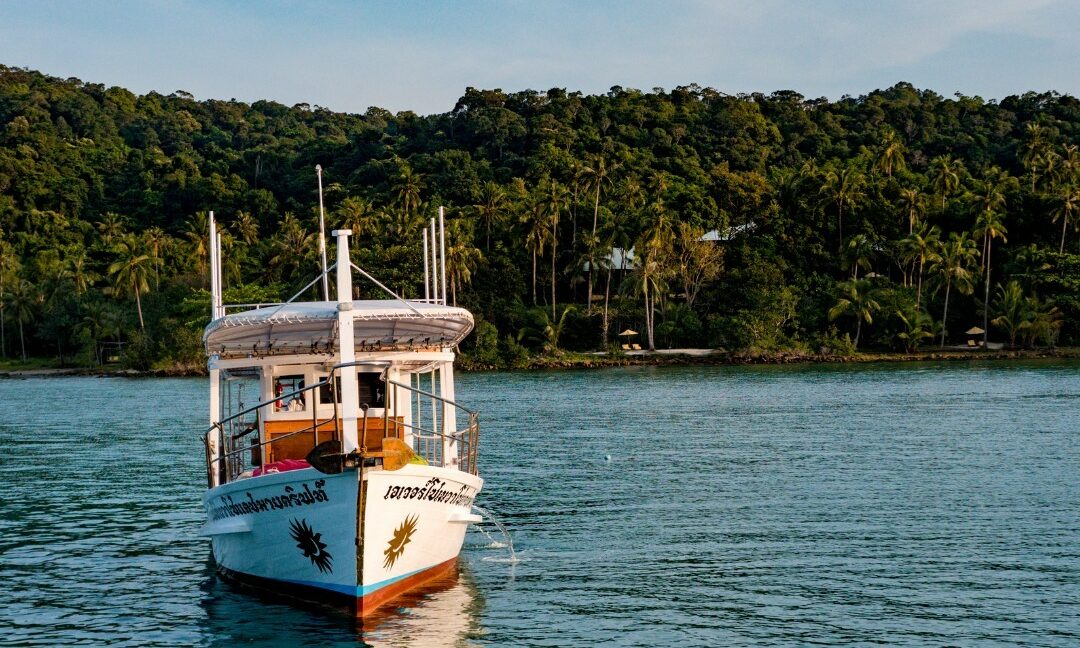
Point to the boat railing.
(438, 447)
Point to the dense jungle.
(898, 220)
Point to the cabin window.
(371, 390)
(285, 385)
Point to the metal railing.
(434, 446)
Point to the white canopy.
(311, 327)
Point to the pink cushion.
(284, 465)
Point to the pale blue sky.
(404, 55)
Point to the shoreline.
(568, 360)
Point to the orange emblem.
(402, 535)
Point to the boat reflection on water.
(443, 612)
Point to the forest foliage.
(893, 220)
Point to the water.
(894, 504)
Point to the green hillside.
(886, 221)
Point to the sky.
(420, 56)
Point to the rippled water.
(893, 504)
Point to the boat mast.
(346, 348)
(322, 237)
(427, 280)
(216, 311)
(442, 252)
(434, 267)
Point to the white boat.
(349, 480)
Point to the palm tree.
(593, 256)
(110, 227)
(859, 252)
(595, 176)
(946, 178)
(891, 156)
(857, 298)
(291, 246)
(358, 215)
(988, 226)
(1068, 204)
(954, 267)
(156, 241)
(81, 275)
(195, 229)
(911, 202)
(843, 188)
(917, 325)
(536, 236)
(921, 247)
(556, 199)
(461, 258)
(408, 186)
(491, 210)
(654, 263)
(131, 272)
(1014, 310)
(246, 227)
(23, 300)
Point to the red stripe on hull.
(361, 608)
(372, 602)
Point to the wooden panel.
(298, 446)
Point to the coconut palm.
(857, 298)
(843, 188)
(954, 268)
(23, 300)
(920, 248)
(859, 251)
(537, 233)
(912, 205)
(946, 176)
(110, 227)
(246, 227)
(491, 209)
(595, 176)
(891, 155)
(461, 258)
(1013, 309)
(556, 199)
(1068, 204)
(291, 246)
(988, 226)
(81, 274)
(917, 327)
(407, 185)
(359, 216)
(131, 272)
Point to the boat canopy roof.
(312, 327)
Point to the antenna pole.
(322, 236)
(442, 252)
(215, 275)
(434, 266)
(427, 280)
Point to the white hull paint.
(297, 533)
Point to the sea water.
(921, 504)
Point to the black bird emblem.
(312, 545)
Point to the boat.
(340, 469)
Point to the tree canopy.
(104, 195)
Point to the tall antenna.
(322, 235)
(434, 266)
(215, 270)
(427, 280)
(442, 252)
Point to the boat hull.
(351, 541)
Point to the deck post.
(346, 344)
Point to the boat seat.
(299, 445)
